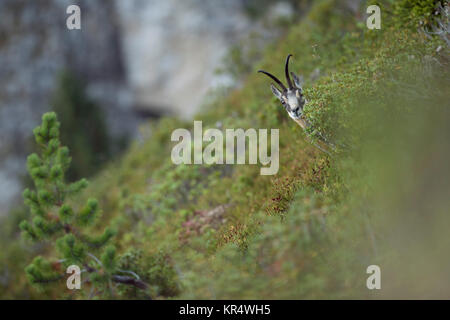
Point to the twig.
(130, 272)
(130, 281)
(95, 258)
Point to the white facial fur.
(293, 99)
(291, 95)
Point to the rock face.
(135, 57)
(35, 46)
(174, 47)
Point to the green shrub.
(66, 226)
(415, 13)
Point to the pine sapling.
(68, 227)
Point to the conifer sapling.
(57, 221)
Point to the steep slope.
(225, 231)
(308, 231)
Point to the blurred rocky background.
(131, 60)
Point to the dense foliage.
(56, 220)
(222, 231)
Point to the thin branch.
(130, 272)
(130, 281)
(95, 258)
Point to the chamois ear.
(298, 81)
(276, 92)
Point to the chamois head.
(291, 97)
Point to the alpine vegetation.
(67, 227)
(213, 153)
